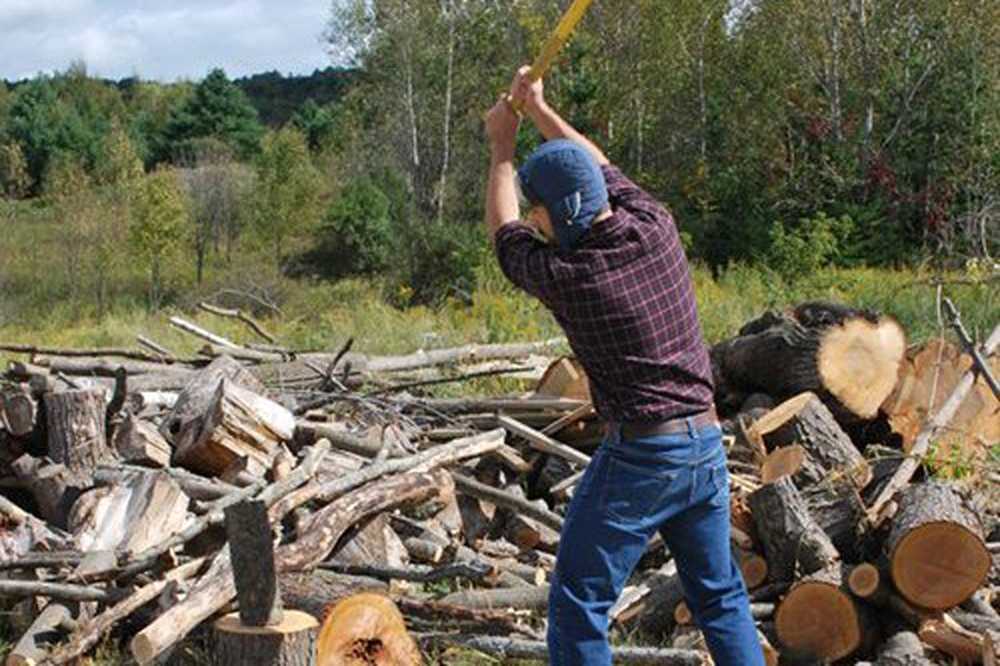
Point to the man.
(613, 272)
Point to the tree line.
(792, 134)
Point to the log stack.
(250, 489)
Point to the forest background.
(836, 149)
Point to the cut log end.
(366, 628)
(864, 580)
(859, 361)
(819, 619)
(781, 462)
(289, 643)
(939, 564)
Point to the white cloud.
(161, 39)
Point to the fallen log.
(199, 332)
(61, 591)
(936, 549)
(848, 357)
(519, 598)
(466, 354)
(476, 489)
(32, 647)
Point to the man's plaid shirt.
(625, 299)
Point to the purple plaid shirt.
(625, 299)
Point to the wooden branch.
(930, 432)
(978, 359)
(238, 314)
(199, 332)
(195, 485)
(542, 442)
(512, 648)
(519, 598)
(466, 354)
(501, 498)
(164, 354)
(91, 632)
(63, 591)
(473, 571)
(116, 352)
(30, 648)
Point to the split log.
(367, 628)
(197, 394)
(76, 430)
(195, 486)
(806, 422)
(793, 542)
(33, 645)
(848, 357)
(291, 642)
(19, 410)
(512, 648)
(139, 442)
(937, 554)
(146, 509)
(375, 544)
(238, 424)
(820, 619)
(215, 588)
(929, 433)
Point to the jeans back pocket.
(632, 492)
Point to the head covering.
(564, 177)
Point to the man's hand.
(529, 94)
(501, 128)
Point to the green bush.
(357, 234)
(798, 252)
(440, 261)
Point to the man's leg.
(714, 588)
(598, 550)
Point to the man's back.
(625, 299)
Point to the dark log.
(848, 357)
(512, 648)
(316, 591)
(76, 430)
(793, 542)
(936, 549)
(477, 517)
(820, 619)
(53, 487)
(251, 548)
(291, 642)
(238, 425)
(838, 509)
(806, 422)
(19, 410)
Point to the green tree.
(287, 192)
(219, 109)
(119, 165)
(316, 122)
(158, 228)
(357, 234)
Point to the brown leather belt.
(673, 426)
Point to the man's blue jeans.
(679, 485)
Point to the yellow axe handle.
(554, 44)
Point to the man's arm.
(546, 119)
(501, 194)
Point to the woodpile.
(321, 508)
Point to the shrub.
(357, 234)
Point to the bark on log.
(140, 443)
(53, 487)
(466, 354)
(196, 396)
(238, 425)
(838, 509)
(937, 554)
(109, 368)
(315, 591)
(519, 598)
(501, 498)
(805, 421)
(251, 549)
(820, 619)
(794, 543)
(376, 544)
(366, 628)
(76, 430)
(19, 410)
(849, 358)
(292, 642)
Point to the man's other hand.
(501, 128)
(529, 94)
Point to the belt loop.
(692, 429)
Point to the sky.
(163, 40)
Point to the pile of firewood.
(253, 492)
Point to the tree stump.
(820, 619)
(794, 543)
(805, 421)
(76, 430)
(849, 357)
(937, 554)
(290, 643)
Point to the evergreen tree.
(217, 109)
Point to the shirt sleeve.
(624, 193)
(525, 260)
